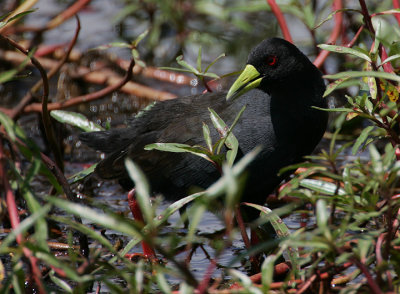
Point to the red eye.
(271, 60)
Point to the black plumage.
(279, 87)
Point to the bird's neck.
(304, 91)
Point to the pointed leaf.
(332, 14)
(321, 187)
(140, 38)
(227, 137)
(142, 188)
(332, 86)
(180, 148)
(361, 139)
(186, 65)
(75, 119)
(199, 60)
(359, 74)
(347, 50)
(322, 218)
(207, 136)
(18, 15)
(214, 61)
(390, 58)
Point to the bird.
(282, 91)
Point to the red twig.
(148, 251)
(387, 67)
(396, 5)
(371, 282)
(242, 227)
(67, 13)
(338, 18)
(202, 288)
(17, 109)
(88, 97)
(14, 219)
(352, 42)
(307, 284)
(45, 113)
(281, 20)
(58, 174)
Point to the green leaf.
(232, 187)
(186, 65)
(364, 246)
(87, 231)
(136, 42)
(309, 17)
(267, 271)
(111, 221)
(145, 109)
(321, 187)
(332, 14)
(12, 74)
(179, 148)
(142, 190)
(377, 165)
(207, 136)
(81, 174)
(214, 61)
(359, 74)
(196, 211)
(226, 135)
(208, 74)
(323, 218)
(112, 45)
(18, 15)
(75, 119)
(60, 283)
(281, 230)
(390, 58)
(163, 283)
(8, 125)
(361, 139)
(347, 50)
(199, 60)
(176, 69)
(334, 109)
(332, 86)
(8, 75)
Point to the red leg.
(138, 216)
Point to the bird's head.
(272, 62)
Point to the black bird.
(279, 85)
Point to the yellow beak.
(248, 79)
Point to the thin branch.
(396, 5)
(338, 18)
(45, 113)
(87, 97)
(15, 221)
(25, 100)
(66, 14)
(353, 41)
(281, 20)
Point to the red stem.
(14, 219)
(148, 251)
(396, 5)
(338, 18)
(371, 282)
(281, 20)
(202, 288)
